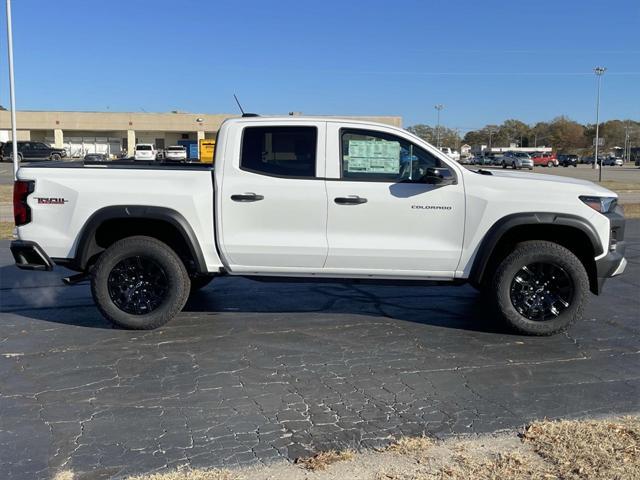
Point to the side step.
(74, 279)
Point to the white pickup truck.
(325, 199)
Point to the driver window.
(376, 156)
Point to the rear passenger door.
(273, 202)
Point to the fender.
(502, 226)
(85, 248)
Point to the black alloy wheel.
(137, 285)
(541, 291)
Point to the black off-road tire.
(200, 281)
(164, 258)
(538, 251)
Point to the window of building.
(378, 156)
(160, 143)
(280, 151)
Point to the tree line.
(562, 134)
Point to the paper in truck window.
(373, 156)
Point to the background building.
(112, 132)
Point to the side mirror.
(438, 176)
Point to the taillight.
(21, 211)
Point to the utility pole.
(12, 94)
(599, 71)
(439, 108)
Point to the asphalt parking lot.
(255, 372)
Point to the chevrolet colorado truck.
(324, 199)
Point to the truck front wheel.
(540, 288)
(139, 283)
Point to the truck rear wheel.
(139, 283)
(540, 288)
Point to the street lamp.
(12, 94)
(439, 108)
(599, 71)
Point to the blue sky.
(486, 61)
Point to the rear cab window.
(280, 151)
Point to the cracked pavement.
(255, 372)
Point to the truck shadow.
(457, 307)
(42, 296)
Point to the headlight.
(601, 204)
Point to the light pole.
(599, 71)
(12, 94)
(439, 108)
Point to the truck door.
(273, 202)
(394, 208)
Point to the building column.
(200, 136)
(131, 142)
(58, 138)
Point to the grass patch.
(6, 193)
(186, 473)
(322, 460)
(589, 449)
(6, 230)
(410, 445)
(620, 186)
(631, 210)
(510, 465)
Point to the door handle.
(350, 200)
(246, 197)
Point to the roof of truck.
(296, 118)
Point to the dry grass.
(411, 445)
(589, 449)
(186, 473)
(631, 210)
(621, 186)
(64, 475)
(322, 460)
(6, 230)
(509, 465)
(6, 193)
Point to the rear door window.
(280, 151)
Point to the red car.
(544, 159)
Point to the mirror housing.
(438, 176)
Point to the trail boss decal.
(51, 200)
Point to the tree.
(448, 136)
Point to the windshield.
(143, 147)
(176, 149)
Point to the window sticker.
(373, 156)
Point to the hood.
(544, 179)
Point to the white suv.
(175, 152)
(145, 151)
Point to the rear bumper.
(30, 256)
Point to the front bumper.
(30, 256)
(613, 263)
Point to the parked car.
(96, 157)
(453, 154)
(145, 151)
(568, 160)
(613, 162)
(175, 152)
(516, 160)
(545, 159)
(274, 205)
(28, 150)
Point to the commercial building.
(112, 132)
